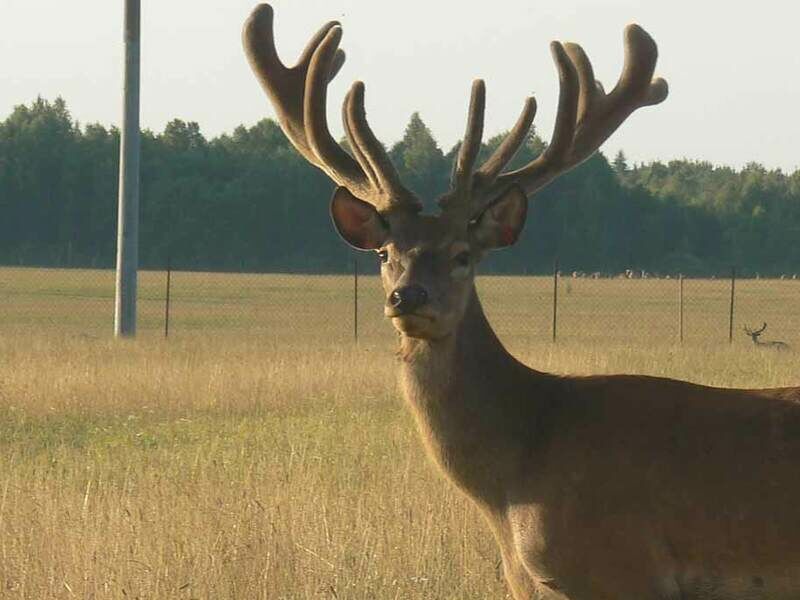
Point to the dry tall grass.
(217, 468)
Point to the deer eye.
(383, 255)
(462, 259)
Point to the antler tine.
(370, 153)
(635, 89)
(590, 90)
(473, 136)
(641, 55)
(586, 115)
(547, 165)
(351, 138)
(299, 96)
(284, 86)
(459, 199)
(508, 147)
(339, 165)
(763, 328)
(564, 129)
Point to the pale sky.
(732, 66)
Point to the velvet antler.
(298, 95)
(586, 117)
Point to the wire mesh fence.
(339, 309)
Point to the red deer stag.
(755, 335)
(607, 487)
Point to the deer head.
(428, 261)
(755, 333)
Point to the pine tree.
(620, 163)
(420, 161)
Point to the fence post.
(355, 299)
(166, 301)
(680, 307)
(733, 290)
(555, 298)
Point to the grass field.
(279, 464)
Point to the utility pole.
(128, 211)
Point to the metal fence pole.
(733, 290)
(128, 211)
(355, 299)
(680, 307)
(555, 298)
(166, 301)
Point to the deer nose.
(408, 299)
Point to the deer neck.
(468, 396)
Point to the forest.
(246, 201)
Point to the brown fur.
(615, 486)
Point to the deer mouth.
(413, 324)
(421, 314)
(412, 318)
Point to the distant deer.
(755, 335)
(606, 487)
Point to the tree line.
(247, 201)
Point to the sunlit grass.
(231, 467)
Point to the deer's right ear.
(358, 222)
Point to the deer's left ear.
(501, 223)
(358, 222)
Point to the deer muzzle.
(406, 300)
